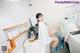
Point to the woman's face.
(40, 18)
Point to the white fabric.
(74, 43)
(43, 34)
(42, 44)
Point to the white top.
(42, 44)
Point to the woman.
(42, 40)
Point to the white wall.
(53, 13)
(12, 12)
(15, 12)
